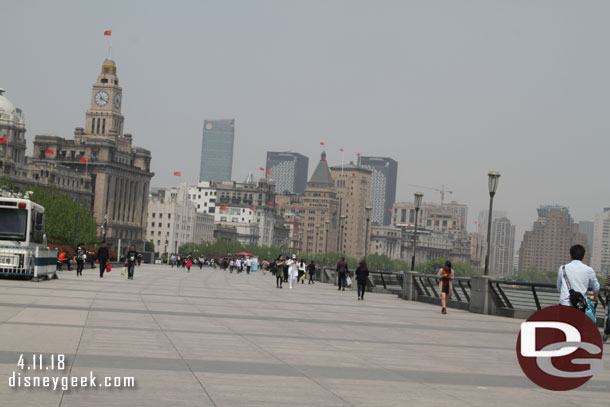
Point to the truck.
(23, 243)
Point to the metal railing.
(519, 295)
(389, 280)
(427, 285)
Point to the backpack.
(578, 300)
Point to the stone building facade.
(547, 245)
(100, 165)
(173, 220)
(353, 185)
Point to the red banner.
(223, 208)
(83, 160)
(3, 140)
(49, 151)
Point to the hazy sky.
(450, 89)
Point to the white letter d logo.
(528, 338)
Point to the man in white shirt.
(292, 270)
(580, 276)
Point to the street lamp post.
(368, 210)
(342, 224)
(417, 201)
(327, 224)
(494, 179)
(317, 232)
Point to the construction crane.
(442, 190)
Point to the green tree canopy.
(60, 215)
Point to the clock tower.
(104, 117)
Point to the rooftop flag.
(49, 151)
(321, 143)
(177, 173)
(108, 32)
(341, 149)
(269, 172)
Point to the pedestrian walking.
(139, 259)
(293, 270)
(80, 257)
(102, 257)
(302, 271)
(574, 280)
(311, 270)
(130, 261)
(362, 276)
(280, 263)
(342, 273)
(189, 264)
(445, 275)
(231, 265)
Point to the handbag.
(578, 300)
(108, 268)
(124, 271)
(348, 281)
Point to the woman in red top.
(445, 275)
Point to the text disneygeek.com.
(17, 380)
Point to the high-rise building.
(353, 185)
(460, 210)
(383, 186)
(600, 256)
(319, 204)
(586, 227)
(288, 171)
(502, 247)
(547, 245)
(217, 150)
(484, 217)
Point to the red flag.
(177, 173)
(322, 195)
(108, 32)
(358, 154)
(252, 208)
(269, 172)
(294, 208)
(321, 143)
(223, 208)
(83, 160)
(390, 210)
(353, 174)
(262, 169)
(341, 149)
(49, 151)
(3, 140)
(277, 204)
(270, 203)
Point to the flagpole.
(342, 161)
(110, 46)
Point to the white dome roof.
(6, 105)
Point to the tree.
(149, 246)
(60, 215)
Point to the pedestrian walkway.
(209, 338)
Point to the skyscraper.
(383, 186)
(547, 245)
(217, 150)
(502, 247)
(289, 171)
(600, 255)
(353, 185)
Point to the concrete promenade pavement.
(209, 338)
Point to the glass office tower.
(217, 150)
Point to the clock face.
(117, 100)
(101, 98)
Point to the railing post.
(481, 298)
(409, 289)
